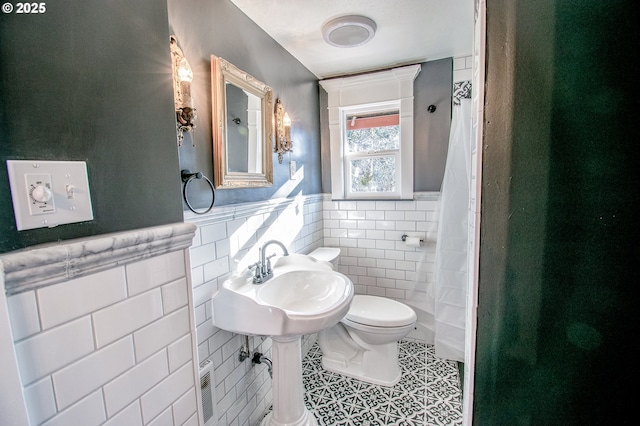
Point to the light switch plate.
(49, 193)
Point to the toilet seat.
(379, 312)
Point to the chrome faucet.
(263, 266)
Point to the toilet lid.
(380, 312)
(328, 254)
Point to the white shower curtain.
(452, 243)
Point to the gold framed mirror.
(242, 130)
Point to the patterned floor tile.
(428, 393)
(366, 417)
(443, 413)
(374, 398)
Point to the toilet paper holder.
(405, 236)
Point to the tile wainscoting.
(79, 292)
(373, 256)
(103, 329)
(227, 240)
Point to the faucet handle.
(269, 262)
(256, 266)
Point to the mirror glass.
(242, 128)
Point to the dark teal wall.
(206, 27)
(432, 86)
(91, 81)
(558, 298)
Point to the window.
(371, 134)
(372, 151)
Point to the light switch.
(49, 193)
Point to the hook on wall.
(431, 108)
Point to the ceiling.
(408, 31)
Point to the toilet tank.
(327, 254)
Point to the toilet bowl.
(364, 344)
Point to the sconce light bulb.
(184, 71)
(286, 120)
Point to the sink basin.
(304, 292)
(303, 297)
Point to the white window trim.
(367, 89)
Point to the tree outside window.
(372, 150)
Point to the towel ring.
(187, 177)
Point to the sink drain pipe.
(258, 358)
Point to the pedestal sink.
(303, 297)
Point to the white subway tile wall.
(41, 392)
(23, 311)
(130, 416)
(113, 345)
(226, 243)
(120, 392)
(373, 256)
(462, 68)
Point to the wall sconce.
(182, 78)
(283, 131)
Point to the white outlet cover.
(66, 183)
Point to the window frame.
(348, 156)
(394, 85)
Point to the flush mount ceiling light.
(349, 31)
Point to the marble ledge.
(48, 264)
(250, 208)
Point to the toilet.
(364, 344)
(327, 254)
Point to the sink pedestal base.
(288, 390)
